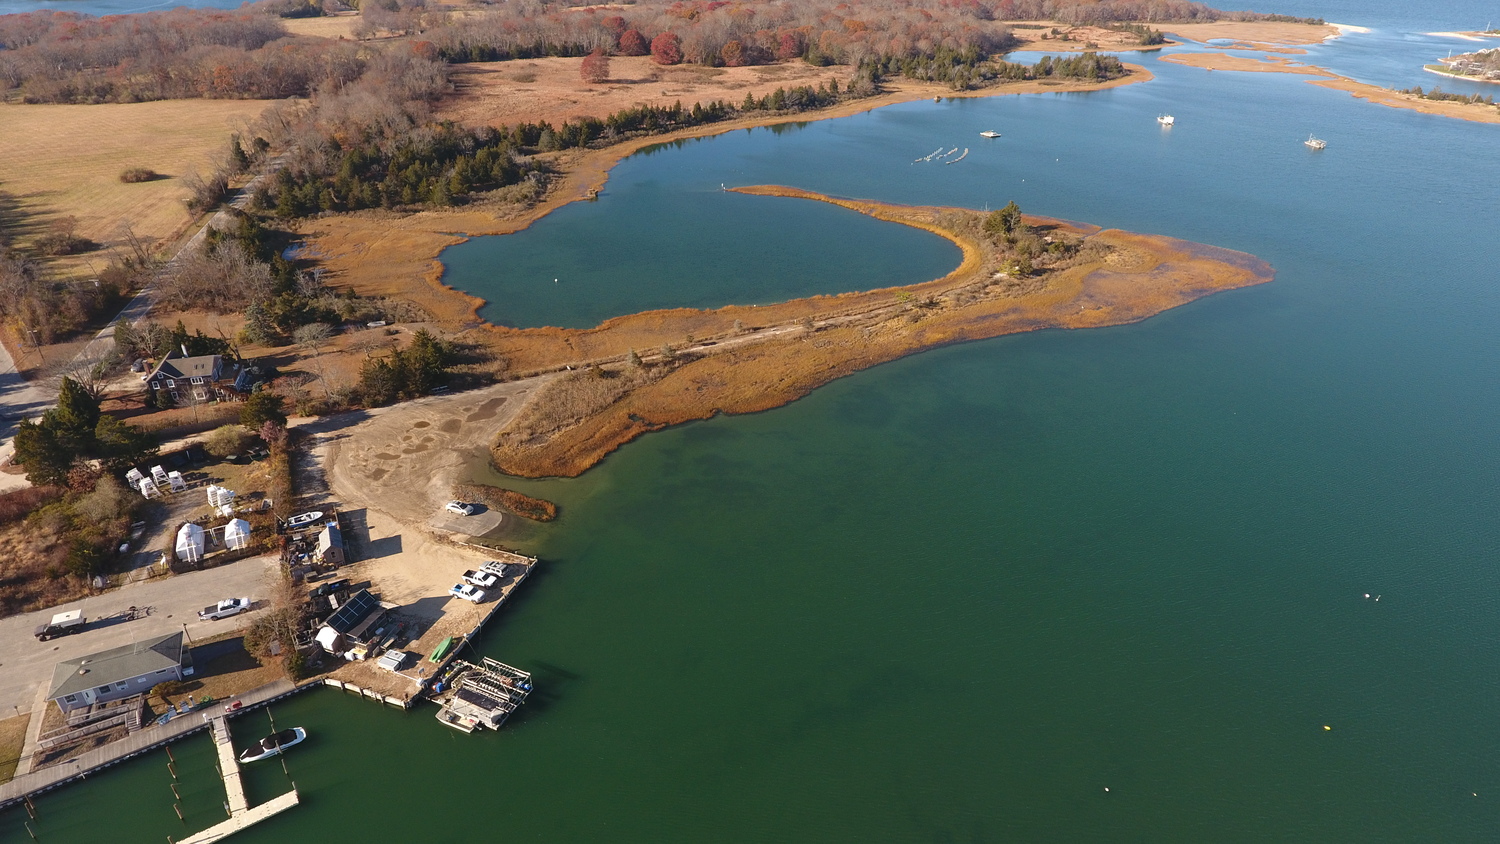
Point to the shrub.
(226, 440)
(167, 687)
(132, 175)
(19, 503)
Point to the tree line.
(65, 57)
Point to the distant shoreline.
(1432, 69)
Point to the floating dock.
(482, 696)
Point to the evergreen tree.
(72, 421)
(45, 459)
(120, 446)
(262, 406)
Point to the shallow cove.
(684, 243)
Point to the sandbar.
(1473, 112)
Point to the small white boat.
(989, 134)
(1315, 143)
(304, 519)
(273, 745)
(1166, 119)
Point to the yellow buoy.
(1326, 727)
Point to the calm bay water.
(955, 598)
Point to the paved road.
(26, 663)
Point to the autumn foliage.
(633, 43)
(666, 48)
(595, 67)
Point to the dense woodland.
(67, 57)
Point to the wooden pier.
(148, 739)
(240, 813)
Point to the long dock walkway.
(229, 766)
(240, 813)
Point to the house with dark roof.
(119, 673)
(202, 378)
(188, 379)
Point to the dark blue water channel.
(957, 597)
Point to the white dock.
(240, 813)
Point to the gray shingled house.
(120, 672)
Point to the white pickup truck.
(224, 609)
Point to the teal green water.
(674, 249)
(956, 597)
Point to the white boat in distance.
(989, 134)
(1315, 143)
(1166, 119)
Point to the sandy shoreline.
(1473, 112)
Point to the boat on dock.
(273, 745)
(1166, 120)
(989, 134)
(1315, 143)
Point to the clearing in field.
(531, 90)
(59, 161)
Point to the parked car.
(224, 609)
(483, 579)
(460, 508)
(467, 592)
(494, 567)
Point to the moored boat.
(273, 744)
(1166, 119)
(989, 134)
(1315, 143)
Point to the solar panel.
(349, 616)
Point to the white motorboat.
(273, 745)
(989, 134)
(304, 519)
(1166, 120)
(1315, 143)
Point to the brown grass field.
(330, 26)
(497, 93)
(65, 160)
(12, 742)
